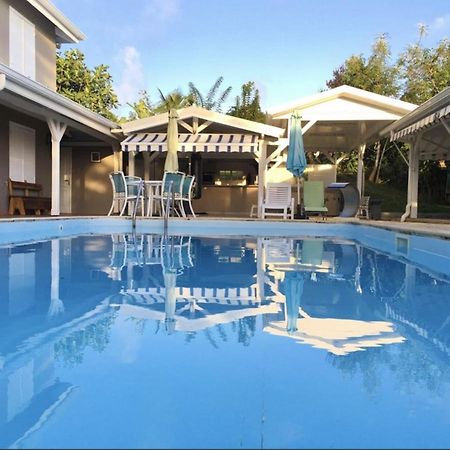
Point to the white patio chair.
(364, 210)
(176, 180)
(125, 189)
(186, 194)
(278, 201)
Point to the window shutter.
(29, 42)
(22, 153)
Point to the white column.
(413, 179)
(56, 305)
(360, 175)
(146, 156)
(117, 154)
(260, 271)
(262, 167)
(131, 163)
(57, 130)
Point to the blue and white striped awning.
(210, 143)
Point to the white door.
(66, 180)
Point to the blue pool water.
(203, 342)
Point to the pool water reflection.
(141, 341)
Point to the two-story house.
(45, 137)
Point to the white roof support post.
(118, 157)
(57, 130)
(413, 178)
(360, 174)
(131, 163)
(262, 168)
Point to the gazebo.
(207, 133)
(341, 120)
(427, 131)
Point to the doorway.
(66, 180)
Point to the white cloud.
(161, 10)
(441, 23)
(132, 79)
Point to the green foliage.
(173, 100)
(92, 88)
(247, 105)
(374, 74)
(213, 100)
(418, 74)
(424, 71)
(142, 107)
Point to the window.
(22, 153)
(22, 44)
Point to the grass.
(394, 199)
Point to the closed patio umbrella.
(296, 159)
(171, 164)
(293, 291)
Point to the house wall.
(43, 152)
(91, 188)
(45, 40)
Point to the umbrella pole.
(298, 191)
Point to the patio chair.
(186, 194)
(278, 201)
(363, 210)
(176, 180)
(125, 189)
(314, 198)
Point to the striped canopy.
(211, 143)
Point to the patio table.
(152, 188)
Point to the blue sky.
(288, 47)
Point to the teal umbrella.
(293, 291)
(296, 159)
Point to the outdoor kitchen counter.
(227, 200)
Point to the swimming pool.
(328, 336)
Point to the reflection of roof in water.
(227, 296)
(206, 320)
(338, 336)
(34, 416)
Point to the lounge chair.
(314, 198)
(278, 201)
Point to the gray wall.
(91, 188)
(43, 153)
(45, 40)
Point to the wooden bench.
(24, 196)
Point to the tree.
(173, 100)
(92, 88)
(142, 107)
(375, 74)
(210, 100)
(424, 71)
(247, 105)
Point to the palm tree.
(210, 101)
(173, 100)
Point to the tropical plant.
(173, 100)
(213, 100)
(92, 88)
(142, 107)
(247, 105)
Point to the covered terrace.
(427, 131)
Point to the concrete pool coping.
(439, 230)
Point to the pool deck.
(439, 229)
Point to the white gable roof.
(66, 31)
(149, 123)
(345, 103)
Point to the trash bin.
(375, 208)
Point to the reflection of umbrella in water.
(170, 283)
(338, 336)
(293, 287)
